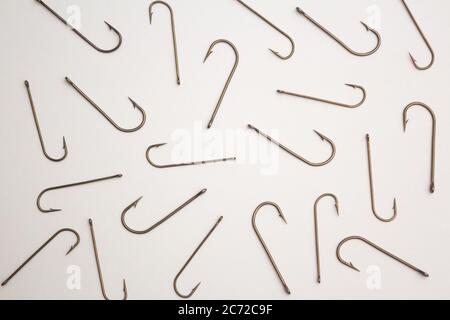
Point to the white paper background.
(232, 264)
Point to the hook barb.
(340, 42)
(181, 164)
(291, 53)
(186, 296)
(230, 77)
(292, 153)
(157, 224)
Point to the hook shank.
(157, 224)
(186, 296)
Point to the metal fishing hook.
(350, 265)
(414, 61)
(292, 153)
(157, 224)
(339, 104)
(174, 38)
(433, 136)
(38, 201)
(186, 296)
(42, 247)
(359, 54)
(266, 249)
(135, 105)
(236, 62)
(36, 121)
(81, 35)
(277, 29)
(372, 192)
(99, 269)
(316, 227)
(180, 164)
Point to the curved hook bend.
(92, 103)
(277, 29)
(372, 192)
(36, 121)
(38, 200)
(174, 38)
(111, 28)
(236, 62)
(335, 38)
(350, 265)
(433, 136)
(194, 163)
(42, 247)
(292, 153)
(316, 227)
(186, 296)
(157, 224)
(414, 61)
(266, 249)
(99, 269)
(339, 104)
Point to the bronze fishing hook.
(38, 201)
(180, 164)
(157, 224)
(350, 265)
(372, 192)
(277, 29)
(433, 136)
(99, 269)
(292, 153)
(36, 121)
(414, 61)
(92, 103)
(335, 38)
(81, 35)
(266, 249)
(236, 62)
(42, 247)
(174, 38)
(316, 227)
(186, 296)
(339, 104)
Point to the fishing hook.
(316, 227)
(359, 54)
(350, 265)
(292, 153)
(174, 38)
(81, 35)
(414, 61)
(180, 164)
(372, 192)
(266, 249)
(36, 121)
(339, 104)
(433, 136)
(38, 201)
(135, 105)
(276, 28)
(170, 215)
(42, 247)
(236, 62)
(99, 269)
(186, 296)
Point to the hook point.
(299, 10)
(432, 187)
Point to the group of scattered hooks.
(259, 132)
